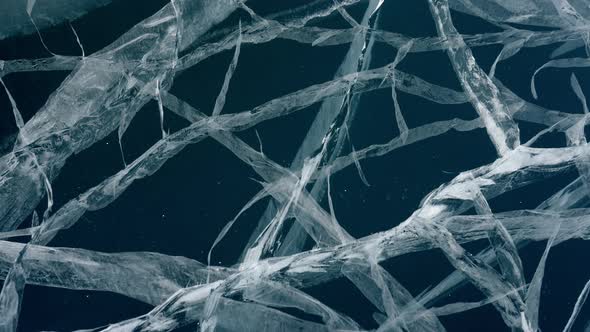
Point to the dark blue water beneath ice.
(181, 209)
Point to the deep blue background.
(181, 209)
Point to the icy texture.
(105, 90)
(25, 16)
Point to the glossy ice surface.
(299, 238)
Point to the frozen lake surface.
(319, 165)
